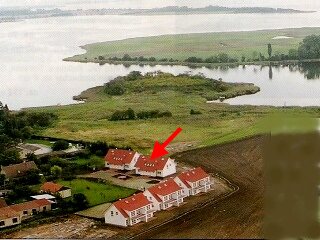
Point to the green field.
(218, 123)
(97, 193)
(203, 45)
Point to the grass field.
(203, 45)
(218, 123)
(97, 193)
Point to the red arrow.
(159, 150)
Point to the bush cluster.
(131, 115)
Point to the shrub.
(114, 88)
(60, 145)
(194, 112)
(123, 115)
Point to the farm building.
(194, 181)
(130, 211)
(121, 159)
(160, 167)
(165, 195)
(56, 189)
(9, 217)
(18, 170)
(30, 208)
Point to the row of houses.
(142, 206)
(14, 214)
(143, 165)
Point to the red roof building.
(56, 189)
(160, 167)
(121, 159)
(9, 217)
(32, 207)
(194, 181)
(130, 211)
(165, 194)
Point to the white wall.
(151, 198)
(169, 168)
(185, 189)
(118, 220)
(65, 193)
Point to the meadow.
(217, 123)
(201, 45)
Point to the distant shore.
(242, 47)
(208, 65)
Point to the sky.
(74, 4)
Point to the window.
(111, 213)
(44, 208)
(14, 220)
(34, 211)
(127, 222)
(133, 213)
(117, 213)
(2, 223)
(150, 198)
(25, 212)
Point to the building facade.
(165, 195)
(160, 167)
(130, 211)
(194, 181)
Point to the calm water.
(32, 72)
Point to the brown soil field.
(238, 216)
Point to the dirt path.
(238, 216)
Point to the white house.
(160, 167)
(121, 159)
(194, 181)
(165, 195)
(130, 211)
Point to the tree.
(310, 47)
(60, 145)
(131, 115)
(56, 171)
(32, 177)
(269, 50)
(2, 179)
(80, 201)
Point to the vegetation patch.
(187, 84)
(97, 193)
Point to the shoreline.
(208, 65)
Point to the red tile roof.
(19, 169)
(7, 212)
(119, 156)
(193, 175)
(30, 205)
(164, 188)
(131, 203)
(145, 164)
(51, 187)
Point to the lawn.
(203, 45)
(97, 193)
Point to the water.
(32, 72)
